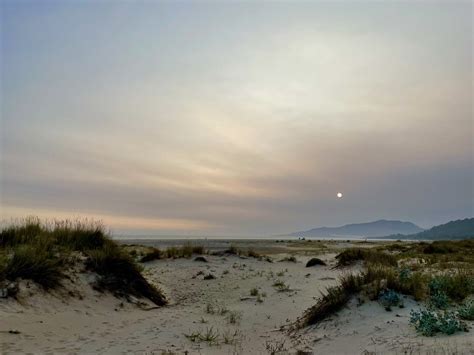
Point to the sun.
(339, 195)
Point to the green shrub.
(466, 311)
(456, 286)
(429, 323)
(390, 298)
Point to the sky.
(236, 118)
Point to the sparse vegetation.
(466, 311)
(383, 280)
(390, 298)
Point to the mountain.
(460, 229)
(371, 229)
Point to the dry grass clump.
(40, 251)
(351, 256)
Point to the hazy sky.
(238, 118)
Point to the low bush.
(390, 298)
(429, 323)
(466, 311)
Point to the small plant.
(428, 323)
(439, 300)
(194, 336)
(389, 299)
(254, 292)
(466, 311)
(230, 337)
(290, 259)
(234, 317)
(211, 336)
(280, 273)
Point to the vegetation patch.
(41, 251)
(379, 282)
(350, 256)
(429, 323)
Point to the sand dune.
(86, 321)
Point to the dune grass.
(32, 263)
(40, 251)
(439, 287)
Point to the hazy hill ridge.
(459, 229)
(378, 228)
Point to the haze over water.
(211, 119)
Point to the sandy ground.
(90, 322)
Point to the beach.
(223, 310)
